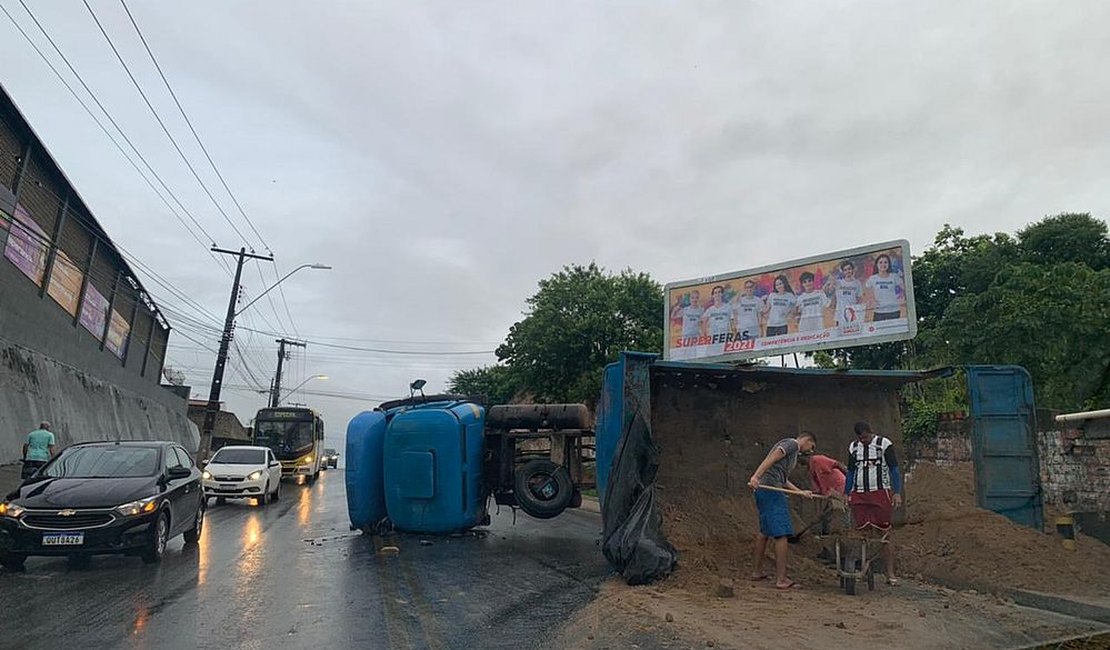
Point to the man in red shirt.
(827, 475)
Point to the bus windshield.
(283, 436)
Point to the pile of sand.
(941, 536)
(947, 539)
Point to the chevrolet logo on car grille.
(67, 513)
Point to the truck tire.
(538, 416)
(543, 489)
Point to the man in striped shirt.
(874, 486)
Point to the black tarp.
(633, 526)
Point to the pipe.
(1085, 415)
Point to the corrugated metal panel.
(1007, 473)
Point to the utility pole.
(221, 358)
(275, 390)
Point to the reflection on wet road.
(292, 575)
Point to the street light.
(302, 266)
(225, 340)
(294, 389)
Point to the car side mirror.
(178, 472)
(205, 462)
(275, 464)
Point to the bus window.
(284, 435)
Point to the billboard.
(118, 327)
(853, 297)
(94, 312)
(65, 282)
(26, 247)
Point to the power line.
(100, 105)
(161, 123)
(189, 122)
(107, 133)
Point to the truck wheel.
(543, 489)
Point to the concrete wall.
(34, 387)
(38, 323)
(718, 430)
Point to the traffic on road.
(287, 574)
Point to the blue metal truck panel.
(433, 468)
(625, 389)
(365, 489)
(1007, 472)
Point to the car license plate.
(226, 486)
(63, 539)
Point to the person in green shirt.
(38, 449)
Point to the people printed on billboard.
(810, 305)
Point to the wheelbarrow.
(856, 552)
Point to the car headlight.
(254, 476)
(10, 510)
(206, 474)
(307, 459)
(140, 507)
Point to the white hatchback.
(241, 472)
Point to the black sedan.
(104, 497)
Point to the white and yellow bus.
(296, 436)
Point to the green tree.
(580, 319)
(495, 382)
(1067, 237)
(1050, 319)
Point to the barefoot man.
(774, 515)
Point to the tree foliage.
(580, 319)
(495, 382)
(1039, 299)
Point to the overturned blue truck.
(429, 464)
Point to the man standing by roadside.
(774, 515)
(874, 486)
(38, 449)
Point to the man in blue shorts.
(774, 515)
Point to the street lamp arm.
(295, 388)
(272, 286)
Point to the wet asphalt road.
(292, 575)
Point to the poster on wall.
(26, 246)
(842, 299)
(65, 282)
(118, 327)
(94, 311)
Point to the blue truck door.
(1007, 472)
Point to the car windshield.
(240, 457)
(104, 462)
(283, 436)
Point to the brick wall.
(951, 446)
(1075, 470)
(1075, 466)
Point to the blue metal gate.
(1007, 472)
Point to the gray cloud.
(444, 157)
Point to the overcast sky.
(444, 157)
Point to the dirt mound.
(946, 538)
(942, 535)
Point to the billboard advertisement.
(118, 328)
(842, 299)
(94, 311)
(65, 282)
(26, 247)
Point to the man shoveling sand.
(769, 481)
